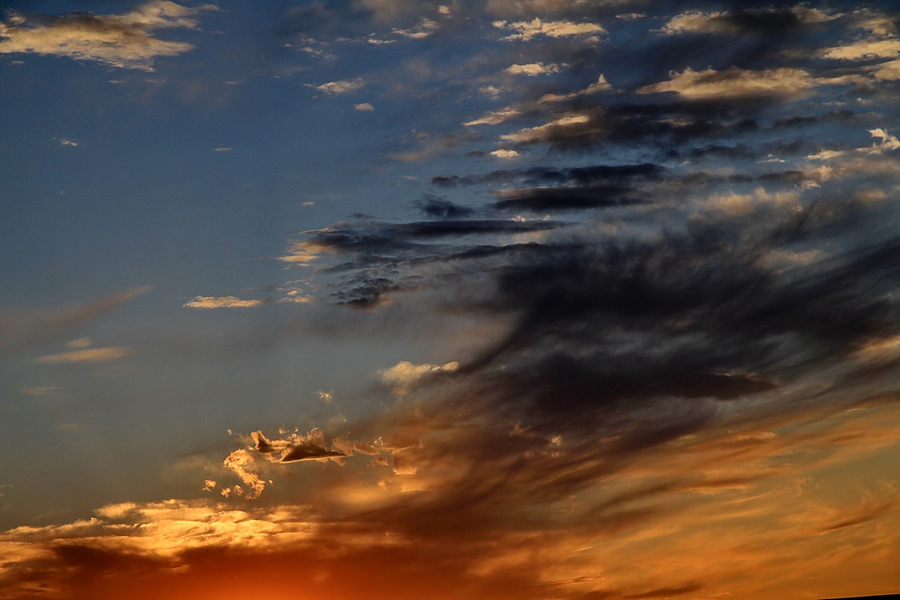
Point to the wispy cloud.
(223, 302)
(735, 83)
(89, 355)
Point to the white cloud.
(125, 41)
(365, 106)
(403, 376)
(91, 355)
(533, 69)
(223, 302)
(505, 153)
(337, 88)
(888, 142)
(736, 82)
(526, 30)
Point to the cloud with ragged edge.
(735, 83)
(340, 88)
(527, 30)
(125, 41)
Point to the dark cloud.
(441, 208)
(576, 175)
(562, 198)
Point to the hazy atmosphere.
(449, 300)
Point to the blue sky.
(540, 298)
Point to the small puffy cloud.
(365, 107)
(404, 376)
(125, 41)
(338, 88)
(502, 153)
(223, 149)
(735, 83)
(888, 142)
(70, 143)
(865, 50)
(533, 69)
(90, 355)
(223, 302)
(526, 30)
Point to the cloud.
(601, 85)
(572, 126)
(864, 50)
(223, 302)
(888, 71)
(526, 30)
(533, 69)
(404, 376)
(424, 29)
(90, 355)
(339, 88)
(494, 118)
(125, 41)
(296, 448)
(23, 330)
(364, 107)
(430, 146)
(752, 21)
(440, 208)
(735, 83)
(503, 153)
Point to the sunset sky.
(449, 300)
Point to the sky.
(449, 299)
